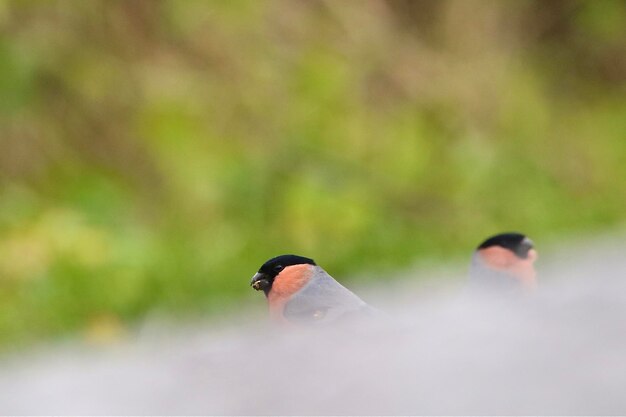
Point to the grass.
(154, 154)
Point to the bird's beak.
(260, 281)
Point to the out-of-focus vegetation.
(154, 153)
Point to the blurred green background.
(154, 153)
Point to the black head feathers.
(275, 265)
(517, 243)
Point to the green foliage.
(155, 153)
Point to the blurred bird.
(298, 291)
(505, 261)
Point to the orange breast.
(504, 260)
(287, 283)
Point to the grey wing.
(322, 300)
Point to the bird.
(505, 261)
(300, 292)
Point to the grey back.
(322, 300)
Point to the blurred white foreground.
(443, 351)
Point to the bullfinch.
(299, 291)
(505, 261)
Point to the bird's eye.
(278, 268)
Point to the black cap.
(517, 243)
